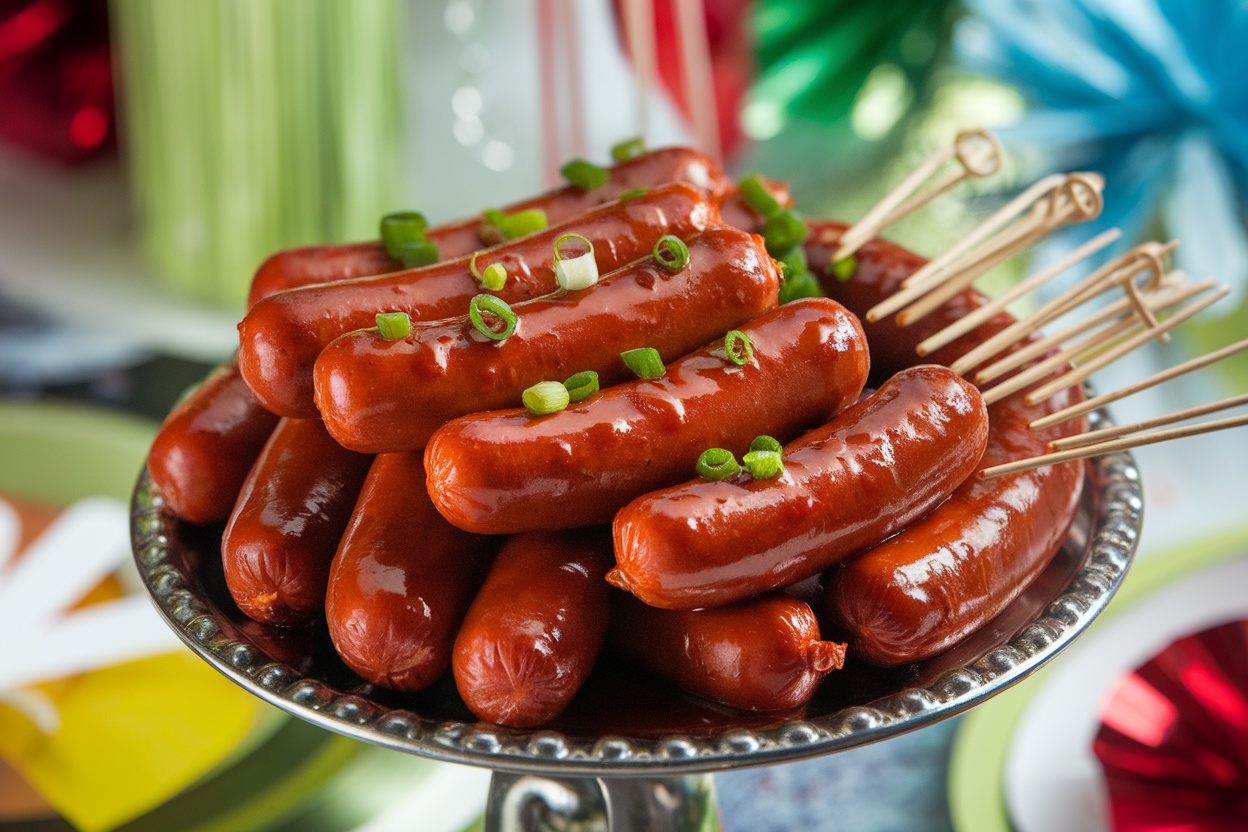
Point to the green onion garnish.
(545, 397)
(671, 253)
(416, 253)
(633, 193)
(402, 227)
(497, 308)
(717, 464)
(517, 224)
(584, 175)
(579, 271)
(645, 362)
(739, 347)
(845, 267)
(799, 282)
(766, 443)
(758, 197)
(582, 385)
(784, 232)
(763, 465)
(495, 277)
(630, 149)
(393, 325)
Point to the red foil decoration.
(56, 78)
(1173, 740)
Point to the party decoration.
(1173, 741)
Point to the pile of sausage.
(396, 488)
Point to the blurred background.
(152, 154)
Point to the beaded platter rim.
(1112, 534)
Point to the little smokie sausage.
(206, 446)
(320, 264)
(281, 538)
(508, 471)
(848, 485)
(378, 395)
(760, 654)
(282, 335)
(534, 630)
(402, 579)
(934, 583)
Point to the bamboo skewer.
(1112, 445)
(1133, 343)
(992, 307)
(895, 204)
(1165, 375)
(1170, 293)
(1095, 436)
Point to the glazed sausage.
(402, 579)
(378, 396)
(321, 264)
(507, 471)
(534, 630)
(760, 654)
(282, 335)
(291, 512)
(206, 446)
(846, 486)
(928, 587)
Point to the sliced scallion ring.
(758, 197)
(495, 277)
(417, 253)
(763, 465)
(497, 308)
(584, 175)
(766, 443)
(630, 149)
(717, 464)
(845, 267)
(573, 272)
(671, 253)
(784, 232)
(633, 193)
(545, 397)
(582, 385)
(739, 347)
(393, 325)
(516, 224)
(645, 362)
(402, 227)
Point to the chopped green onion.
(799, 282)
(544, 398)
(497, 308)
(630, 149)
(717, 464)
(739, 347)
(582, 385)
(844, 268)
(645, 362)
(756, 195)
(584, 175)
(575, 272)
(671, 253)
(517, 224)
(402, 227)
(633, 193)
(416, 253)
(393, 325)
(766, 443)
(763, 465)
(784, 232)
(495, 277)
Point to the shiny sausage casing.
(280, 338)
(378, 396)
(207, 444)
(535, 629)
(281, 538)
(308, 265)
(760, 654)
(402, 579)
(846, 486)
(507, 471)
(945, 576)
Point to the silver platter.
(627, 725)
